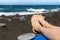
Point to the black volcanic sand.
(21, 24)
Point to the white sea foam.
(37, 10)
(32, 11)
(6, 13)
(43, 10)
(20, 13)
(55, 10)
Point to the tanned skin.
(50, 31)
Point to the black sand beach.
(17, 24)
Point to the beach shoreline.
(20, 24)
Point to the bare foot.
(35, 23)
(51, 32)
(43, 22)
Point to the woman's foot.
(43, 22)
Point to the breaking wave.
(30, 11)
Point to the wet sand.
(18, 25)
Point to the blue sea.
(23, 8)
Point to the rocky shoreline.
(17, 24)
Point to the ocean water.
(24, 9)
